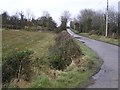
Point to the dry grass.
(38, 42)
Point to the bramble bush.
(16, 64)
(64, 50)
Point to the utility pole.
(106, 34)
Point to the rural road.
(107, 77)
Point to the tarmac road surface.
(107, 77)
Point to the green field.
(35, 41)
(43, 75)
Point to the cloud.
(54, 7)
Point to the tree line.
(87, 21)
(19, 21)
(94, 22)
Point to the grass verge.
(100, 38)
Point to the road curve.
(107, 77)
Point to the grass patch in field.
(38, 42)
(41, 82)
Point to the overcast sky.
(54, 7)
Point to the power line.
(98, 4)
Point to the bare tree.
(98, 22)
(95, 21)
(113, 22)
(29, 18)
(65, 17)
(85, 19)
(46, 14)
(29, 14)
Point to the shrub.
(57, 30)
(90, 64)
(97, 32)
(64, 50)
(15, 64)
(92, 32)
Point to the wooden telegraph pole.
(106, 34)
